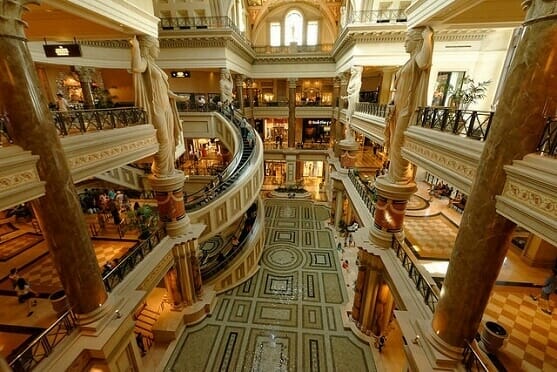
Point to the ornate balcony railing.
(131, 259)
(44, 344)
(83, 121)
(470, 124)
(363, 190)
(372, 109)
(472, 361)
(548, 142)
(430, 295)
(377, 16)
(289, 49)
(199, 23)
(229, 176)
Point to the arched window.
(293, 27)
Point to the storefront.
(276, 130)
(316, 130)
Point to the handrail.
(472, 360)
(84, 121)
(44, 344)
(232, 172)
(134, 256)
(430, 295)
(470, 124)
(201, 23)
(363, 190)
(548, 142)
(370, 108)
(377, 16)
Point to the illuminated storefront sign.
(65, 50)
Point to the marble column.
(292, 113)
(173, 289)
(339, 127)
(386, 85)
(188, 271)
(335, 123)
(85, 79)
(290, 170)
(239, 82)
(58, 211)
(339, 207)
(518, 124)
(169, 193)
(372, 300)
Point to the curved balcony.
(236, 189)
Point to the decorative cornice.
(157, 273)
(452, 163)
(111, 152)
(532, 198)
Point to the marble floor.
(288, 316)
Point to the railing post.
(472, 124)
(488, 124)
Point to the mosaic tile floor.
(287, 317)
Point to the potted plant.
(468, 92)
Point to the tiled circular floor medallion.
(282, 258)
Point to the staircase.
(144, 321)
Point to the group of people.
(440, 190)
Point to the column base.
(170, 200)
(348, 148)
(383, 239)
(96, 320)
(394, 191)
(425, 351)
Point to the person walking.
(24, 294)
(549, 286)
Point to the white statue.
(411, 82)
(226, 86)
(153, 94)
(353, 97)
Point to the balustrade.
(365, 193)
(470, 124)
(472, 361)
(548, 142)
(376, 16)
(83, 121)
(430, 295)
(370, 108)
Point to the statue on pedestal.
(411, 82)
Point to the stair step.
(143, 327)
(150, 312)
(146, 318)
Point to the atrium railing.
(471, 124)
(472, 361)
(289, 49)
(134, 256)
(372, 108)
(429, 294)
(83, 121)
(200, 23)
(377, 16)
(44, 344)
(363, 190)
(233, 171)
(548, 142)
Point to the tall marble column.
(386, 85)
(292, 113)
(188, 271)
(239, 82)
(335, 102)
(339, 206)
(373, 301)
(290, 169)
(58, 211)
(518, 124)
(85, 79)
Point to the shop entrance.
(275, 172)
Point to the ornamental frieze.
(542, 202)
(157, 273)
(442, 159)
(104, 154)
(16, 179)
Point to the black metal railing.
(197, 23)
(44, 344)
(5, 129)
(230, 175)
(364, 191)
(372, 108)
(472, 361)
(134, 256)
(430, 295)
(377, 16)
(289, 49)
(548, 142)
(83, 121)
(470, 124)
